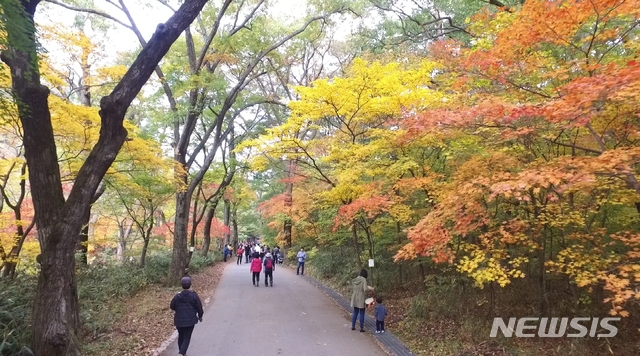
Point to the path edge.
(387, 341)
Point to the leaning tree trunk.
(55, 307)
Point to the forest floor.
(145, 321)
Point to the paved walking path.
(291, 318)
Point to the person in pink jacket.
(256, 268)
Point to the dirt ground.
(146, 321)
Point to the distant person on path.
(302, 256)
(256, 268)
(276, 254)
(380, 313)
(357, 299)
(269, 267)
(247, 252)
(188, 310)
(225, 250)
(240, 253)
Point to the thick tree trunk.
(55, 310)
(180, 255)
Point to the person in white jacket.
(302, 257)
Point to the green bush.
(99, 290)
(157, 267)
(199, 262)
(16, 300)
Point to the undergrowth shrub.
(199, 262)
(100, 292)
(334, 263)
(16, 300)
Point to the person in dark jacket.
(269, 267)
(188, 310)
(247, 253)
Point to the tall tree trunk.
(85, 98)
(146, 236)
(55, 307)
(124, 231)
(356, 245)
(208, 220)
(234, 225)
(227, 221)
(288, 203)
(399, 234)
(180, 255)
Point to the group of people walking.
(188, 306)
(247, 250)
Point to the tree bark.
(180, 254)
(124, 231)
(356, 245)
(288, 203)
(206, 244)
(227, 221)
(234, 225)
(146, 236)
(55, 313)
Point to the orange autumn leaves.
(551, 90)
(514, 150)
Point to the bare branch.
(89, 11)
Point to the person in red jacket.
(256, 268)
(239, 253)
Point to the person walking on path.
(276, 254)
(247, 252)
(188, 311)
(380, 314)
(358, 297)
(269, 267)
(240, 252)
(225, 250)
(302, 257)
(256, 268)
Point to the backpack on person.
(269, 264)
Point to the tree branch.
(89, 11)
